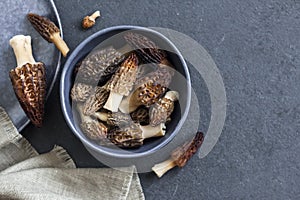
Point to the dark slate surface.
(256, 45)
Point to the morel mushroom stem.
(22, 48)
(113, 101)
(153, 131)
(60, 44)
(162, 168)
(180, 155)
(95, 15)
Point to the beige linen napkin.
(24, 174)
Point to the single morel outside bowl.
(138, 74)
(28, 79)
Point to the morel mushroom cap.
(80, 92)
(121, 82)
(140, 115)
(94, 129)
(89, 21)
(146, 48)
(28, 79)
(180, 155)
(99, 65)
(49, 31)
(126, 137)
(162, 76)
(114, 118)
(134, 135)
(146, 95)
(95, 101)
(161, 110)
(148, 89)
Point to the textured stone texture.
(256, 47)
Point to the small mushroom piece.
(94, 129)
(99, 65)
(28, 79)
(80, 92)
(121, 83)
(134, 135)
(95, 101)
(90, 21)
(180, 155)
(148, 90)
(49, 31)
(146, 48)
(140, 115)
(161, 110)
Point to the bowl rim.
(95, 147)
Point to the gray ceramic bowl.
(181, 83)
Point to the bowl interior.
(180, 83)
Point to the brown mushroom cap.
(95, 101)
(117, 119)
(122, 81)
(126, 137)
(94, 130)
(43, 25)
(29, 83)
(182, 154)
(148, 89)
(161, 110)
(80, 92)
(87, 22)
(148, 94)
(99, 64)
(146, 48)
(140, 115)
(162, 76)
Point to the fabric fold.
(24, 174)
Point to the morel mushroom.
(90, 21)
(147, 49)
(134, 135)
(140, 115)
(94, 129)
(49, 31)
(80, 92)
(28, 79)
(121, 82)
(161, 110)
(114, 118)
(180, 155)
(148, 90)
(95, 101)
(99, 65)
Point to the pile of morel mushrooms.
(119, 99)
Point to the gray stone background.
(256, 46)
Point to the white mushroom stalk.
(22, 48)
(153, 131)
